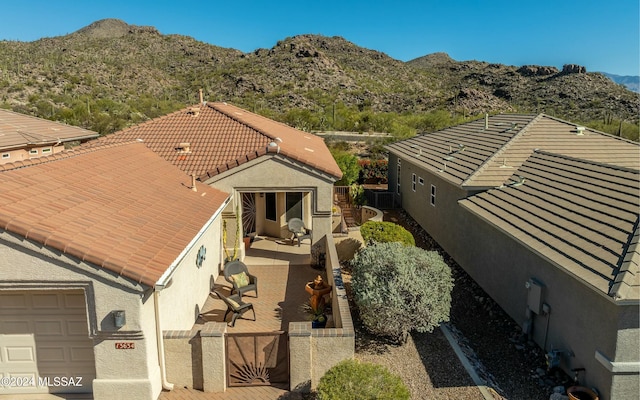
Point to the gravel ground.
(512, 367)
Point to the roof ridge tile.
(501, 150)
(76, 151)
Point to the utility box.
(535, 295)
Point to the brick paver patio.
(282, 270)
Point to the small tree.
(383, 232)
(398, 289)
(356, 192)
(348, 164)
(353, 380)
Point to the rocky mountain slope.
(111, 74)
(630, 82)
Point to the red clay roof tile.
(106, 205)
(221, 137)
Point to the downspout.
(163, 282)
(160, 340)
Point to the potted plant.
(316, 307)
(317, 316)
(247, 241)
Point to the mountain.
(110, 74)
(630, 82)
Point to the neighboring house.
(543, 215)
(101, 250)
(273, 171)
(23, 137)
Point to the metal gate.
(257, 359)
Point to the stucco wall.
(275, 173)
(314, 351)
(582, 320)
(119, 373)
(182, 300)
(23, 154)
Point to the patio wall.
(314, 351)
(196, 358)
(371, 214)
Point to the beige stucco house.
(105, 248)
(273, 171)
(23, 137)
(101, 250)
(543, 215)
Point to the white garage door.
(44, 341)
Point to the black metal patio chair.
(236, 306)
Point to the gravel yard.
(512, 368)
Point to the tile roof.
(120, 207)
(221, 136)
(18, 130)
(471, 156)
(581, 215)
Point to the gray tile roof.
(19, 131)
(474, 157)
(580, 215)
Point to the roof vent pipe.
(201, 97)
(193, 183)
(486, 121)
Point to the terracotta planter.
(247, 241)
(581, 393)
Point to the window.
(413, 182)
(433, 195)
(6, 155)
(420, 180)
(270, 206)
(294, 205)
(33, 151)
(46, 150)
(398, 178)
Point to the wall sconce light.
(119, 318)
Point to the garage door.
(44, 343)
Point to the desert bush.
(354, 380)
(384, 232)
(399, 289)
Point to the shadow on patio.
(283, 270)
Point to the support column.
(300, 356)
(214, 357)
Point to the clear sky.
(600, 35)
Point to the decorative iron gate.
(257, 359)
(249, 213)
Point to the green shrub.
(384, 232)
(399, 289)
(348, 164)
(353, 380)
